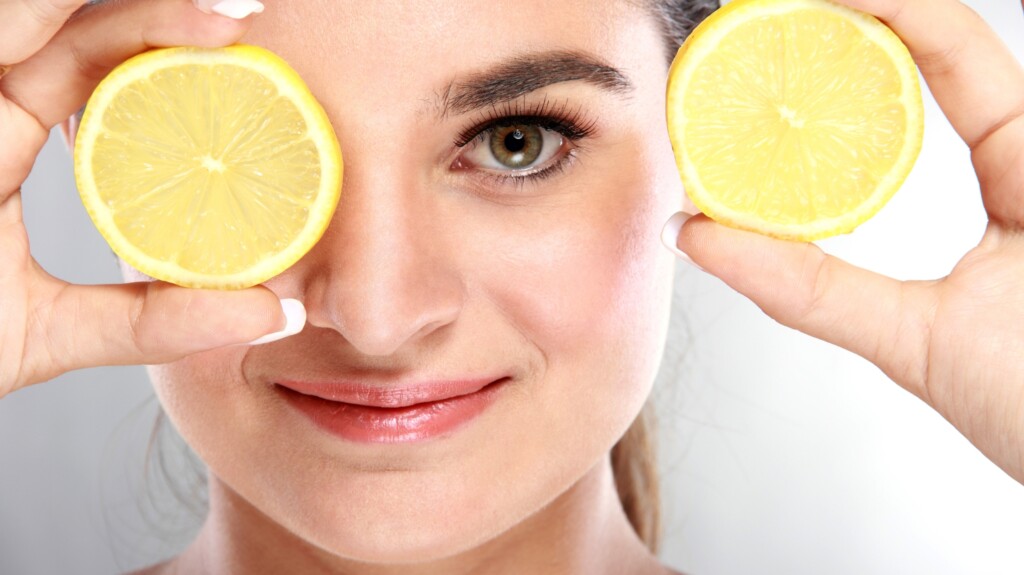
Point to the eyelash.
(570, 122)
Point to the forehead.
(386, 47)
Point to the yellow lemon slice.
(793, 118)
(213, 168)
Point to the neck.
(583, 531)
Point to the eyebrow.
(526, 73)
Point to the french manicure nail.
(670, 236)
(237, 9)
(295, 320)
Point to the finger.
(29, 24)
(147, 323)
(57, 80)
(999, 163)
(979, 85)
(879, 318)
(21, 139)
(972, 74)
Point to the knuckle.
(50, 12)
(137, 320)
(817, 272)
(21, 139)
(83, 63)
(160, 319)
(945, 56)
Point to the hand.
(957, 343)
(48, 326)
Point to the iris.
(516, 146)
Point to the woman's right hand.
(955, 342)
(48, 326)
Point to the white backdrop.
(780, 453)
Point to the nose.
(383, 275)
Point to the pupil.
(518, 146)
(515, 141)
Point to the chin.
(399, 540)
(402, 517)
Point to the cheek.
(588, 283)
(207, 399)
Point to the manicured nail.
(295, 320)
(670, 236)
(236, 9)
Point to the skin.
(425, 272)
(442, 305)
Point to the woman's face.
(446, 264)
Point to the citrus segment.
(793, 118)
(208, 168)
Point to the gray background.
(780, 453)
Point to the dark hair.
(677, 18)
(634, 458)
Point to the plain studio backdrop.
(779, 453)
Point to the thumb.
(881, 319)
(149, 323)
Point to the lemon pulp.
(793, 118)
(208, 167)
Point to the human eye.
(515, 145)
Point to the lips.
(379, 396)
(365, 413)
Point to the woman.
(527, 298)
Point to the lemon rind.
(706, 37)
(289, 85)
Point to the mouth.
(377, 414)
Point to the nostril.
(373, 278)
(381, 326)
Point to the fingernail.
(295, 320)
(670, 235)
(236, 9)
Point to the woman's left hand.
(958, 342)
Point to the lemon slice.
(212, 168)
(793, 118)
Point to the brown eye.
(516, 146)
(519, 149)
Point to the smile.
(375, 414)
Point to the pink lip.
(376, 414)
